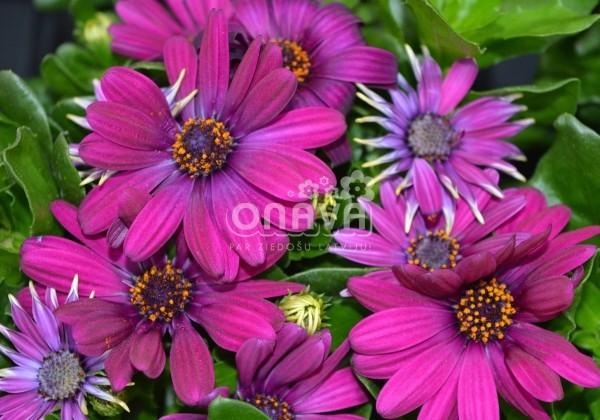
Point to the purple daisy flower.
(51, 370)
(430, 245)
(323, 46)
(149, 24)
(442, 148)
(293, 377)
(136, 303)
(449, 340)
(230, 159)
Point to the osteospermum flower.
(147, 24)
(229, 158)
(429, 245)
(450, 340)
(293, 377)
(439, 149)
(135, 304)
(51, 371)
(323, 46)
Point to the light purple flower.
(293, 377)
(51, 372)
(136, 303)
(451, 339)
(323, 46)
(149, 24)
(228, 160)
(439, 149)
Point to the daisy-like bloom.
(51, 372)
(430, 245)
(437, 147)
(323, 46)
(451, 339)
(293, 377)
(135, 304)
(148, 24)
(229, 159)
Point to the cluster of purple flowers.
(164, 247)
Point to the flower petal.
(191, 364)
(264, 102)
(457, 84)
(534, 376)
(476, 379)
(556, 352)
(213, 66)
(158, 220)
(147, 353)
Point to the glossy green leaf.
(19, 106)
(434, 32)
(9, 267)
(59, 114)
(226, 409)
(329, 280)
(503, 28)
(569, 172)
(67, 177)
(28, 163)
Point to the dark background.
(27, 35)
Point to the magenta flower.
(135, 304)
(449, 340)
(440, 148)
(51, 370)
(292, 377)
(323, 46)
(430, 245)
(230, 159)
(148, 24)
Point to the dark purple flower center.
(272, 407)
(433, 251)
(485, 311)
(60, 376)
(202, 146)
(431, 137)
(160, 293)
(295, 58)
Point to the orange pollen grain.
(295, 58)
(485, 311)
(160, 293)
(202, 146)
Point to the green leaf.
(225, 375)
(9, 268)
(226, 409)
(71, 70)
(343, 314)
(19, 106)
(330, 280)
(67, 178)
(503, 28)
(27, 162)
(370, 385)
(569, 172)
(435, 32)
